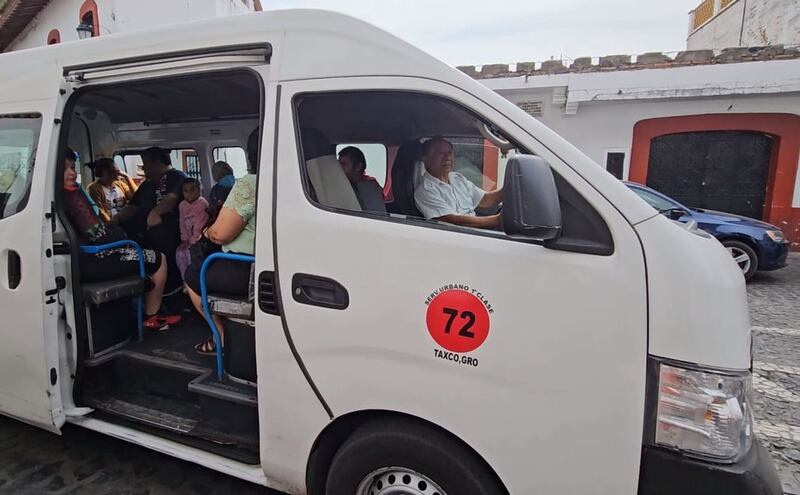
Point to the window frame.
(296, 100)
(90, 7)
(25, 198)
(626, 160)
(123, 152)
(212, 160)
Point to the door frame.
(39, 207)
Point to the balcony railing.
(706, 11)
(702, 13)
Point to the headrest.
(315, 144)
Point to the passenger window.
(233, 156)
(461, 192)
(131, 164)
(187, 160)
(375, 156)
(393, 151)
(19, 136)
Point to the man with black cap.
(153, 210)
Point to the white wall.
(766, 22)
(721, 32)
(596, 111)
(770, 22)
(122, 15)
(600, 127)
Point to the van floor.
(162, 385)
(177, 344)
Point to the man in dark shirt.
(151, 217)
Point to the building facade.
(719, 132)
(718, 24)
(31, 23)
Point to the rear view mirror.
(530, 199)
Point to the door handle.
(319, 291)
(14, 269)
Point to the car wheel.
(405, 457)
(744, 256)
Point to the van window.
(375, 156)
(233, 156)
(392, 148)
(415, 118)
(19, 136)
(187, 160)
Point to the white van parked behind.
(589, 346)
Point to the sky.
(477, 32)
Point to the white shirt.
(115, 200)
(436, 198)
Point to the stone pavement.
(33, 461)
(775, 316)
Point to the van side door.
(532, 353)
(29, 389)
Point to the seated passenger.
(222, 173)
(448, 196)
(111, 190)
(152, 215)
(113, 263)
(234, 230)
(368, 192)
(193, 218)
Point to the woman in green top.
(234, 230)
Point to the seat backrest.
(404, 172)
(331, 184)
(370, 194)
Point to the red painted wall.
(785, 130)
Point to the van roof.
(323, 43)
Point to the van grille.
(267, 299)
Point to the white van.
(591, 346)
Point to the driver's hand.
(498, 220)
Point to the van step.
(146, 415)
(225, 389)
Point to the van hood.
(697, 302)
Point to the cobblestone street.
(775, 315)
(33, 461)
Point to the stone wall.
(649, 60)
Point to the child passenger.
(193, 217)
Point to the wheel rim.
(397, 481)
(741, 258)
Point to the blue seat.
(228, 307)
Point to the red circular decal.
(457, 321)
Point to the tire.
(739, 250)
(403, 456)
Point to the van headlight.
(704, 413)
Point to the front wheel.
(744, 256)
(404, 457)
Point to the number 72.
(465, 315)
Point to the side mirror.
(676, 213)
(530, 199)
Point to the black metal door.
(724, 171)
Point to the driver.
(449, 196)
